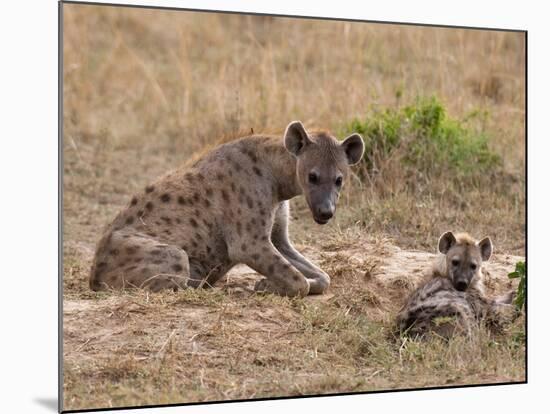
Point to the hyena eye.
(313, 178)
(473, 266)
(338, 182)
(455, 262)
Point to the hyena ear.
(296, 138)
(446, 241)
(486, 248)
(354, 148)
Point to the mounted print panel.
(261, 206)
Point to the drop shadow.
(49, 403)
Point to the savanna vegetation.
(442, 113)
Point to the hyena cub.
(453, 299)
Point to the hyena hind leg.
(136, 261)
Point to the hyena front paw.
(264, 285)
(291, 289)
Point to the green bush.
(431, 141)
(521, 273)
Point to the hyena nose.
(325, 212)
(461, 285)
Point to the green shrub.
(430, 141)
(521, 273)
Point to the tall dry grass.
(145, 74)
(144, 89)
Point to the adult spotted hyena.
(230, 206)
(454, 291)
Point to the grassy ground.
(144, 90)
(134, 348)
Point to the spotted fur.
(452, 298)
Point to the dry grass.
(144, 90)
(135, 347)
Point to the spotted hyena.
(453, 297)
(230, 206)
